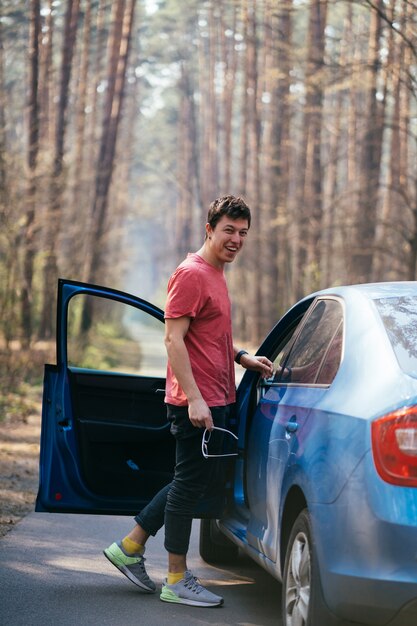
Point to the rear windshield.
(399, 316)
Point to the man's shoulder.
(187, 274)
(190, 265)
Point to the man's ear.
(209, 231)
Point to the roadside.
(21, 376)
(19, 461)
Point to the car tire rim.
(297, 590)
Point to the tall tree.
(257, 325)
(389, 193)
(83, 169)
(47, 117)
(122, 21)
(208, 106)
(229, 58)
(32, 158)
(370, 156)
(333, 148)
(310, 167)
(276, 151)
(8, 238)
(188, 179)
(50, 272)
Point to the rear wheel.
(214, 546)
(302, 600)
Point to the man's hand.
(200, 414)
(258, 364)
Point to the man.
(200, 391)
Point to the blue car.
(322, 490)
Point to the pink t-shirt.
(199, 291)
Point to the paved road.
(52, 572)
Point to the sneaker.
(132, 566)
(189, 591)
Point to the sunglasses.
(205, 441)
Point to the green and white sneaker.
(132, 566)
(189, 591)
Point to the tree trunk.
(392, 202)
(310, 167)
(82, 170)
(208, 110)
(186, 141)
(277, 158)
(332, 264)
(257, 323)
(3, 144)
(33, 149)
(9, 239)
(93, 137)
(370, 160)
(244, 111)
(123, 16)
(229, 56)
(50, 273)
(47, 117)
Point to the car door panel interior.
(121, 426)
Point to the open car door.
(106, 446)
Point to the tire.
(302, 600)
(215, 548)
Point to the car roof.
(373, 290)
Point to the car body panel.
(323, 459)
(380, 557)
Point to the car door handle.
(292, 426)
(160, 391)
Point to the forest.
(121, 120)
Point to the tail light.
(394, 446)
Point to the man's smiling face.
(226, 239)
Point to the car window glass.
(283, 350)
(399, 316)
(120, 338)
(311, 345)
(332, 358)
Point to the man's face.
(226, 239)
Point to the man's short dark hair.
(232, 206)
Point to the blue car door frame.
(278, 432)
(276, 426)
(105, 443)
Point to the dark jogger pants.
(176, 503)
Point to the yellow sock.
(175, 578)
(131, 547)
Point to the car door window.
(120, 338)
(283, 351)
(315, 354)
(332, 358)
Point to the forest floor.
(19, 460)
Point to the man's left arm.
(259, 364)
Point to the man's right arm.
(175, 331)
